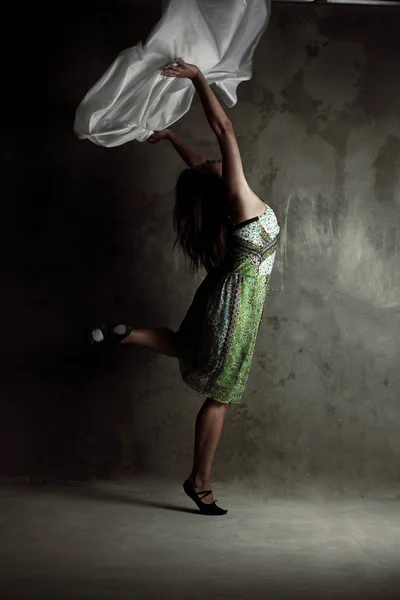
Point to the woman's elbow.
(223, 126)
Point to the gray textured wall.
(88, 237)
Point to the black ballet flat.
(205, 509)
(109, 335)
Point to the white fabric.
(132, 100)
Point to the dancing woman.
(224, 227)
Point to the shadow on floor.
(91, 493)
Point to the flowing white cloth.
(132, 100)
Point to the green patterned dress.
(216, 338)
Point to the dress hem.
(212, 395)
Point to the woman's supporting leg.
(210, 419)
(209, 424)
(158, 339)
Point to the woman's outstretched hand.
(157, 136)
(182, 69)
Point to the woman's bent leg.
(157, 339)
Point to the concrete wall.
(87, 236)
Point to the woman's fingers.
(173, 67)
(171, 70)
(171, 73)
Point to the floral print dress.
(216, 339)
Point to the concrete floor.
(144, 540)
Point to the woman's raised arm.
(191, 158)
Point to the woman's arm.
(239, 193)
(214, 112)
(190, 158)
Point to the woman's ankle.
(199, 482)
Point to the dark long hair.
(200, 218)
